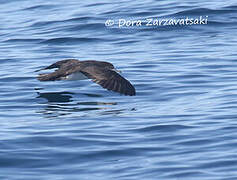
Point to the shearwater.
(101, 72)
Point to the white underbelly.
(76, 76)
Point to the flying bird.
(101, 72)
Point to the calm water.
(181, 125)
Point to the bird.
(101, 72)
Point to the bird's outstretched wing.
(61, 63)
(109, 79)
(65, 68)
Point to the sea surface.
(181, 125)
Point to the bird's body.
(103, 73)
(76, 76)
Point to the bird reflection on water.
(62, 103)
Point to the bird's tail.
(48, 77)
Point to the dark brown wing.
(66, 67)
(110, 80)
(54, 76)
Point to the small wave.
(70, 40)
(200, 11)
(70, 20)
(22, 40)
(163, 128)
(40, 7)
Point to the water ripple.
(180, 125)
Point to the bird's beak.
(116, 70)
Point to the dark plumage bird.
(103, 73)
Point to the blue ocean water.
(181, 124)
